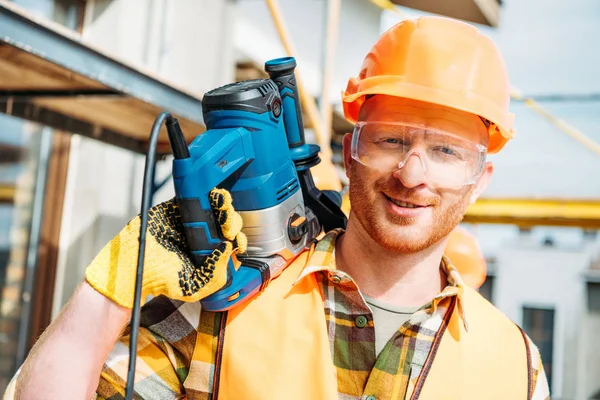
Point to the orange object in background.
(464, 252)
(441, 61)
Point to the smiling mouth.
(404, 204)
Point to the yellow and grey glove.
(168, 269)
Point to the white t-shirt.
(387, 319)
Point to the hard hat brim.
(502, 122)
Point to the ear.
(347, 145)
(483, 182)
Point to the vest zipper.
(222, 324)
(432, 353)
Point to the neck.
(405, 280)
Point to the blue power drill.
(254, 147)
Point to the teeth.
(403, 204)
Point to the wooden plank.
(121, 114)
(45, 271)
(249, 69)
(45, 70)
(20, 70)
(129, 116)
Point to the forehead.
(396, 109)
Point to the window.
(539, 325)
(487, 289)
(69, 13)
(66, 12)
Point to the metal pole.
(34, 240)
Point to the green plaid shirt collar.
(323, 261)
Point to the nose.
(412, 171)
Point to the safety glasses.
(447, 160)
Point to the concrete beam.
(486, 12)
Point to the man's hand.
(168, 269)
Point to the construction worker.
(373, 312)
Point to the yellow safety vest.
(277, 347)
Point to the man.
(375, 312)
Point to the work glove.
(168, 269)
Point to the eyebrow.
(486, 122)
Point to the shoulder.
(481, 309)
(487, 321)
(483, 315)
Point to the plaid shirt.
(168, 368)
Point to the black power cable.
(180, 150)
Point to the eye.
(448, 152)
(390, 141)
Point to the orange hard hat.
(438, 60)
(466, 256)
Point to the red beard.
(397, 233)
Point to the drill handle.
(281, 71)
(214, 157)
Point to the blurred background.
(82, 81)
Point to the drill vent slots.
(287, 189)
